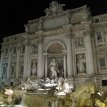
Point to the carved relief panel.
(33, 49)
(33, 46)
(79, 42)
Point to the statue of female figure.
(53, 68)
(33, 68)
(81, 64)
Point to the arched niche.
(55, 47)
(55, 50)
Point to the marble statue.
(64, 87)
(54, 8)
(67, 87)
(81, 64)
(30, 85)
(33, 68)
(60, 84)
(53, 68)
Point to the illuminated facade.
(74, 38)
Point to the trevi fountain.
(60, 61)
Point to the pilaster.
(1, 62)
(9, 62)
(40, 72)
(26, 61)
(65, 62)
(65, 70)
(46, 69)
(69, 57)
(17, 62)
(89, 53)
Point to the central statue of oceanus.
(53, 69)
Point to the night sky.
(15, 13)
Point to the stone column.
(46, 70)
(64, 66)
(69, 57)
(26, 61)
(65, 62)
(89, 54)
(17, 62)
(1, 64)
(40, 72)
(9, 63)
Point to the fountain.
(48, 92)
(59, 92)
(54, 92)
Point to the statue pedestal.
(82, 75)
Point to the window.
(12, 72)
(4, 71)
(15, 38)
(5, 52)
(11, 83)
(104, 82)
(7, 39)
(99, 36)
(22, 49)
(14, 50)
(102, 62)
(97, 20)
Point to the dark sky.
(15, 13)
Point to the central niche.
(55, 59)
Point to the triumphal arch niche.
(56, 59)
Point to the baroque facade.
(75, 39)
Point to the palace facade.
(75, 39)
